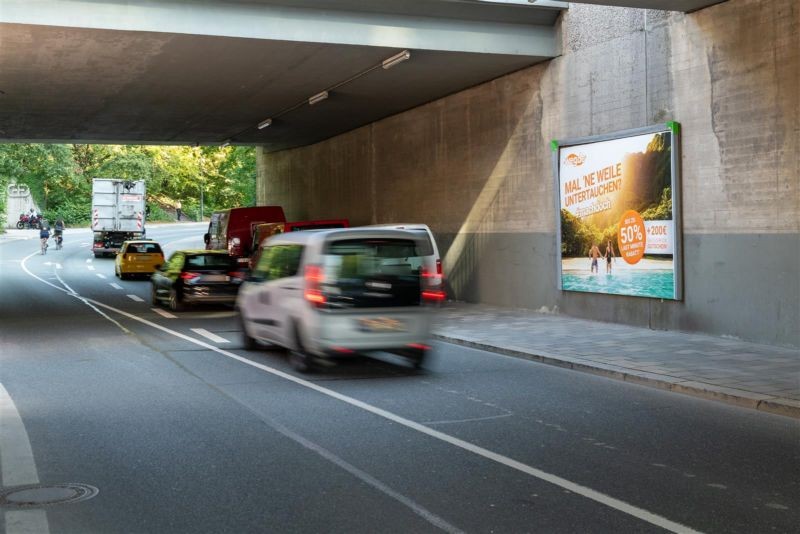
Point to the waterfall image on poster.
(617, 224)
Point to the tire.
(175, 303)
(300, 360)
(248, 343)
(154, 295)
(418, 358)
(116, 273)
(20, 225)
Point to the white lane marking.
(209, 335)
(89, 260)
(366, 478)
(58, 266)
(84, 244)
(90, 267)
(70, 291)
(473, 419)
(164, 313)
(17, 465)
(26, 522)
(100, 275)
(48, 263)
(135, 298)
(601, 498)
(115, 285)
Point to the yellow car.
(141, 257)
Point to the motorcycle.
(27, 221)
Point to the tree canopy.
(60, 176)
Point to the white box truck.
(118, 213)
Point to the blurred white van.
(326, 293)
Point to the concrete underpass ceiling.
(177, 72)
(98, 80)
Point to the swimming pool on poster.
(651, 283)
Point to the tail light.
(234, 246)
(432, 285)
(238, 275)
(190, 276)
(433, 295)
(313, 291)
(98, 245)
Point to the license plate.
(216, 278)
(381, 324)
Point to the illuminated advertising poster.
(619, 231)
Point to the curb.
(736, 397)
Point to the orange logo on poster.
(575, 160)
(631, 237)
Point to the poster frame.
(671, 127)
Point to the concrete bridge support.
(476, 165)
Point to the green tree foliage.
(661, 211)
(60, 176)
(578, 237)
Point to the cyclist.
(58, 229)
(44, 235)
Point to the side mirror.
(206, 238)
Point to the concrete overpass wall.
(476, 166)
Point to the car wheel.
(153, 295)
(175, 303)
(249, 343)
(418, 358)
(300, 360)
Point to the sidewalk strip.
(164, 313)
(16, 455)
(209, 335)
(135, 298)
(115, 285)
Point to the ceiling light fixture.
(387, 63)
(319, 97)
(395, 59)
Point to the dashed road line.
(58, 266)
(584, 491)
(89, 260)
(210, 335)
(135, 298)
(26, 522)
(99, 275)
(90, 267)
(164, 313)
(115, 285)
(17, 465)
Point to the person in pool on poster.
(594, 253)
(609, 256)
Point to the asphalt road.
(181, 432)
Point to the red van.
(233, 229)
(265, 230)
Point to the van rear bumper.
(373, 329)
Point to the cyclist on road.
(44, 235)
(58, 229)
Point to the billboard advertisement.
(619, 224)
